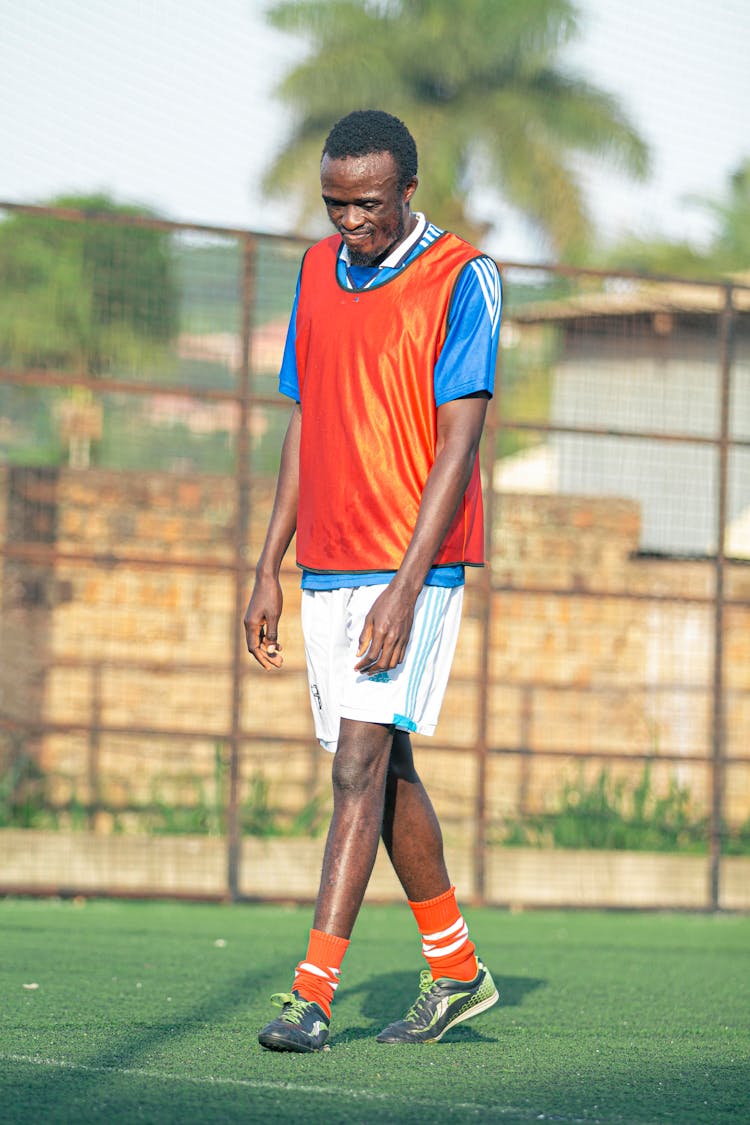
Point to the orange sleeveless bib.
(365, 361)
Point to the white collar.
(400, 250)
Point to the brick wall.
(135, 669)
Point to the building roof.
(634, 298)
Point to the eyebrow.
(357, 202)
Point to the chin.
(362, 258)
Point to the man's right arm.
(264, 608)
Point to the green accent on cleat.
(302, 1025)
(441, 1005)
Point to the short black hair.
(373, 130)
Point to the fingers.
(365, 637)
(380, 650)
(270, 649)
(263, 643)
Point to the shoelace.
(294, 1006)
(425, 984)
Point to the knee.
(355, 773)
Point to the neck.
(409, 225)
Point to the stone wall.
(593, 649)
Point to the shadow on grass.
(633, 1088)
(387, 996)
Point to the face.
(365, 205)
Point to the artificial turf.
(148, 1012)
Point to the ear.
(410, 188)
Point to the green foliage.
(524, 391)
(737, 842)
(84, 296)
(731, 247)
(602, 813)
(24, 800)
(29, 434)
(198, 812)
(615, 813)
(210, 281)
(727, 253)
(481, 88)
(258, 817)
(658, 256)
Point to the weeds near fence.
(603, 813)
(29, 798)
(620, 813)
(23, 791)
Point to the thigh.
(409, 696)
(324, 618)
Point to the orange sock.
(445, 937)
(317, 977)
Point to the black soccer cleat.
(302, 1025)
(441, 1005)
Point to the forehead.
(374, 174)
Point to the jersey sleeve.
(467, 360)
(288, 376)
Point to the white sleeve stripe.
(454, 926)
(488, 281)
(485, 292)
(491, 274)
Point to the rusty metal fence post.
(241, 541)
(718, 727)
(485, 641)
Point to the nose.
(352, 217)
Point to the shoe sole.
(274, 1043)
(476, 1010)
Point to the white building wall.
(661, 386)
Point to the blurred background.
(158, 190)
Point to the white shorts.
(410, 695)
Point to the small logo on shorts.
(380, 678)
(316, 696)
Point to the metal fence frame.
(245, 398)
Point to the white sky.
(170, 103)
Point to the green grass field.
(148, 1012)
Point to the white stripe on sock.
(445, 933)
(442, 951)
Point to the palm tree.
(728, 252)
(732, 217)
(478, 84)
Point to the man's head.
(371, 130)
(368, 174)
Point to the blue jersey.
(466, 364)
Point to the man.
(390, 361)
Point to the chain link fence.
(594, 746)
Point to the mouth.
(356, 237)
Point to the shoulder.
(479, 286)
(474, 269)
(481, 270)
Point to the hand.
(386, 632)
(262, 621)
